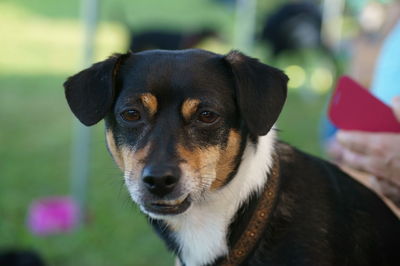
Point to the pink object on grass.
(52, 215)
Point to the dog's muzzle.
(161, 181)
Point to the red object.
(353, 107)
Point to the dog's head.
(177, 122)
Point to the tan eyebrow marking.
(150, 102)
(189, 107)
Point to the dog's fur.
(193, 133)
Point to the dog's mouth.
(168, 207)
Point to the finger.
(393, 163)
(354, 160)
(334, 150)
(376, 144)
(365, 163)
(355, 141)
(396, 107)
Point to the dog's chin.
(157, 208)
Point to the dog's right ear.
(91, 92)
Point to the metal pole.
(245, 25)
(81, 142)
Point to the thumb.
(396, 107)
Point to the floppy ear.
(90, 93)
(260, 91)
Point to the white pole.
(81, 142)
(245, 25)
(332, 11)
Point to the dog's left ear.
(91, 92)
(260, 91)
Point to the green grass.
(299, 122)
(41, 46)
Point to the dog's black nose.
(160, 180)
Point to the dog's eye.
(131, 115)
(207, 117)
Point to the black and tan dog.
(193, 133)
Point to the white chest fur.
(201, 232)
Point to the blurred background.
(42, 42)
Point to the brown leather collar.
(251, 235)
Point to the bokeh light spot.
(297, 76)
(321, 80)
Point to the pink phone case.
(352, 107)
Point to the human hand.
(374, 153)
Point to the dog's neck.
(202, 232)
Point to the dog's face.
(177, 122)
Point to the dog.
(193, 132)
